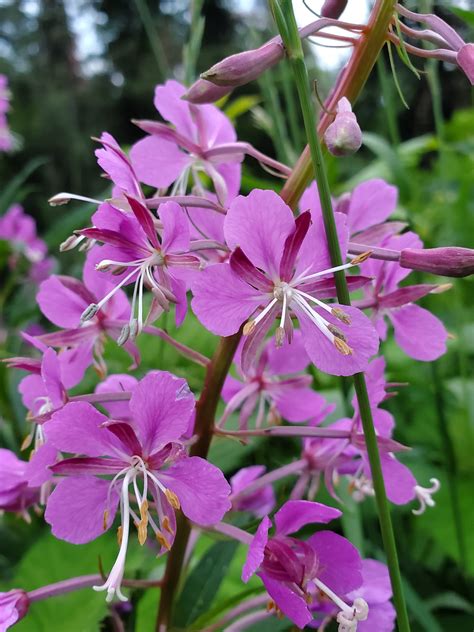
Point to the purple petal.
(314, 255)
(399, 481)
(222, 302)
(256, 550)
(405, 295)
(38, 467)
(157, 162)
(51, 375)
(259, 223)
(201, 489)
(145, 219)
(292, 605)
(175, 228)
(73, 364)
(421, 335)
(289, 358)
(293, 244)
(116, 384)
(371, 203)
(339, 562)
(76, 509)
(76, 429)
(245, 270)
(161, 406)
(254, 341)
(376, 587)
(297, 404)
(60, 305)
(295, 514)
(172, 108)
(360, 335)
(381, 619)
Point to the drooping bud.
(203, 91)
(465, 59)
(241, 68)
(14, 605)
(450, 261)
(333, 8)
(343, 137)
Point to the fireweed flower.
(201, 139)
(375, 590)
(419, 333)
(290, 568)
(117, 383)
(14, 605)
(19, 229)
(280, 267)
(135, 253)
(16, 494)
(276, 380)
(260, 502)
(366, 207)
(63, 300)
(150, 474)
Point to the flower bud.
(343, 137)
(465, 59)
(13, 607)
(450, 261)
(333, 8)
(203, 91)
(241, 68)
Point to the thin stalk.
(205, 415)
(285, 18)
(153, 38)
(291, 105)
(272, 102)
(349, 84)
(192, 48)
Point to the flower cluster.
(130, 455)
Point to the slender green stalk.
(273, 105)
(285, 18)
(205, 415)
(193, 46)
(153, 38)
(291, 105)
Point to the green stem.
(193, 46)
(285, 18)
(273, 106)
(153, 38)
(349, 84)
(205, 415)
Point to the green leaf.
(419, 609)
(203, 583)
(464, 14)
(11, 190)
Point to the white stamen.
(64, 198)
(304, 279)
(424, 495)
(316, 318)
(315, 300)
(108, 296)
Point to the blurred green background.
(79, 67)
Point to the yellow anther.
(172, 499)
(342, 346)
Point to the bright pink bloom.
(261, 501)
(200, 139)
(280, 268)
(418, 332)
(13, 607)
(64, 299)
(289, 568)
(15, 493)
(276, 380)
(145, 459)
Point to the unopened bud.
(465, 59)
(333, 8)
(242, 68)
(450, 261)
(343, 137)
(203, 91)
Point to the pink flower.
(259, 502)
(144, 459)
(201, 139)
(290, 568)
(16, 495)
(418, 332)
(276, 380)
(13, 607)
(280, 268)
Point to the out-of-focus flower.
(261, 501)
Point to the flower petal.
(298, 404)
(61, 306)
(339, 562)
(256, 550)
(295, 514)
(76, 509)
(259, 223)
(292, 605)
(157, 162)
(161, 406)
(175, 228)
(222, 302)
(201, 489)
(419, 333)
(371, 203)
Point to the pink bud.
(13, 607)
(333, 8)
(449, 261)
(203, 91)
(465, 59)
(343, 137)
(241, 68)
